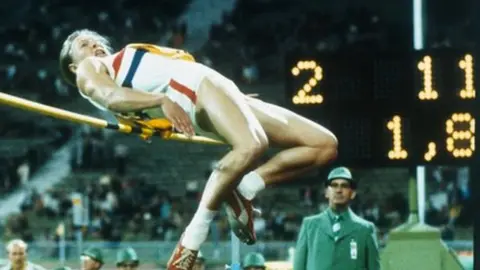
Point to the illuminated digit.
(304, 95)
(466, 64)
(397, 152)
(461, 135)
(428, 93)
(431, 151)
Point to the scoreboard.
(389, 109)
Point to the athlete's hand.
(179, 118)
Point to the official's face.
(199, 265)
(340, 192)
(89, 264)
(127, 266)
(17, 256)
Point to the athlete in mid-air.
(158, 82)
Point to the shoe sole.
(240, 230)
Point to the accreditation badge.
(353, 249)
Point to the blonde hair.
(65, 57)
(16, 242)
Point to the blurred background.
(61, 182)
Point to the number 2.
(304, 95)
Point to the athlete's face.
(87, 45)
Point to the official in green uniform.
(127, 259)
(337, 239)
(253, 261)
(92, 259)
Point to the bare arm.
(93, 81)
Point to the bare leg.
(308, 144)
(311, 144)
(230, 117)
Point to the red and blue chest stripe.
(135, 63)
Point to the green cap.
(253, 259)
(127, 255)
(94, 253)
(341, 173)
(62, 268)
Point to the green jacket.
(355, 249)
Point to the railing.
(159, 252)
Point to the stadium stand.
(146, 192)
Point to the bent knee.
(253, 149)
(326, 148)
(250, 151)
(242, 157)
(255, 144)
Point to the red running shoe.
(182, 258)
(240, 217)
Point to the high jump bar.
(28, 105)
